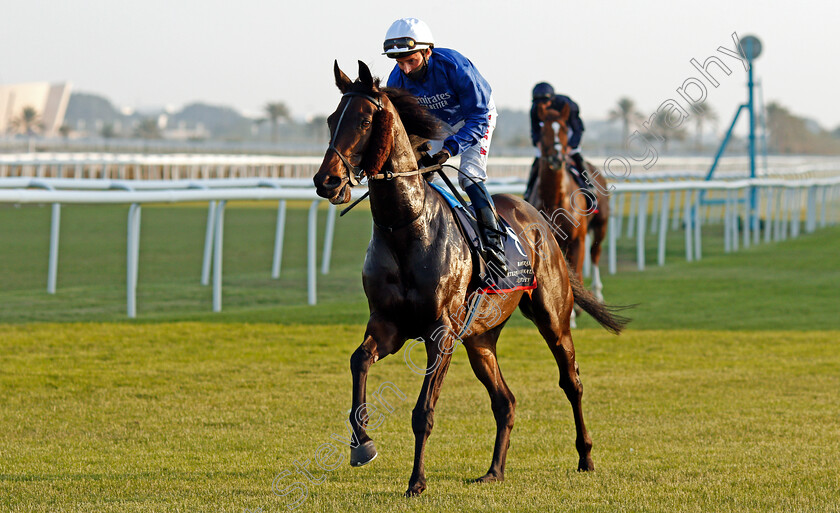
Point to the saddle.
(520, 275)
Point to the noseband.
(354, 173)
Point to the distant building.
(48, 100)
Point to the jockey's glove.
(436, 159)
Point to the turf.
(202, 417)
(721, 396)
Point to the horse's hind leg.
(381, 339)
(599, 234)
(482, 352)
(548, 314)
(564, 353)
(576, 255)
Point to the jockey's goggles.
(404, 44)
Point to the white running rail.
(779, 202)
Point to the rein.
(389, 175)
(356, 173)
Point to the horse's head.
(554, 128)
(361, 136)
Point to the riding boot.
(494, 248)
(491, 239)
(532, 178)
(582, 180)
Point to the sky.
(246, 53)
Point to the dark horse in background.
(562, 201)
(418, 272)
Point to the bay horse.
(562, 200)
(418, 272)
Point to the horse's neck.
(553, 186)
(398, 201)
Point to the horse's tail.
(606, 315)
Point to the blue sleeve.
(535, 126)
(575, 123)
(474, 97)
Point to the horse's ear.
(342, 81)
(365, 76)
(380, 143)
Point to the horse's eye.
(365, 123)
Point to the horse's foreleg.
(381, 339)
(597, 285)
(438, 356)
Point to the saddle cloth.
(520, 275)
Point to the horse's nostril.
(332, 182)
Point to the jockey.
(453, 90)
(543, 92)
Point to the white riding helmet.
(406, 36)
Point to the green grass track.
(722, 395)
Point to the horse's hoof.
(415, 490)
(363, 454)
(586, 465)
(490, 478)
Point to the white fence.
(780, 202)
(740, 206)
(126, 166)
(216, 193)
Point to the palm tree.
(702, 113)
(108, 131)
(148, 129)
(668, 132)
(29, 122)
(625, 111)
(275, 112)
(788, 133)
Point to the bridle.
(356, 173)
(556, 160)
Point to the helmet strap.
(419, 74)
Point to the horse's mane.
(416, 119)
